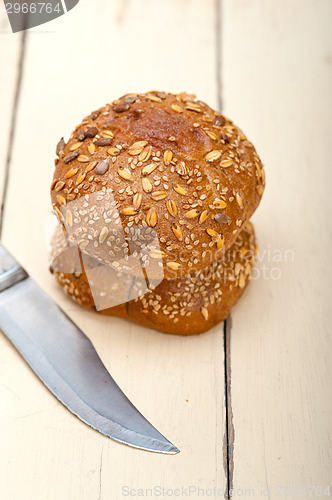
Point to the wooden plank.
(91, 57)
(277, 78)
(10, 47)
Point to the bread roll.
(185, 306)
(167, 164)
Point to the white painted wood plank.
(10, 45)
(277, 77)
(74, 65)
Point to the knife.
(65, 360)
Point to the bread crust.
(185, 306)
(172, 165)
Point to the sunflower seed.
(61, 144)
(222, 218)
(121, 107)
(104, 141)
(71, 156)
(95, 114)
(102, 167)
(219, 121)
(91, 132)
(130, 99)
(80, 134)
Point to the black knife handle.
(10, 270)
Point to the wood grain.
(74, 65)
(277, 80)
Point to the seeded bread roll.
(172, 165)
(184, 306)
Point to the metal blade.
(66, 361)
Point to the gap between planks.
(228, 445)
(229, 427)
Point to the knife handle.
(10, 271)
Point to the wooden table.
(249, 403)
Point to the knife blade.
(65, 360)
